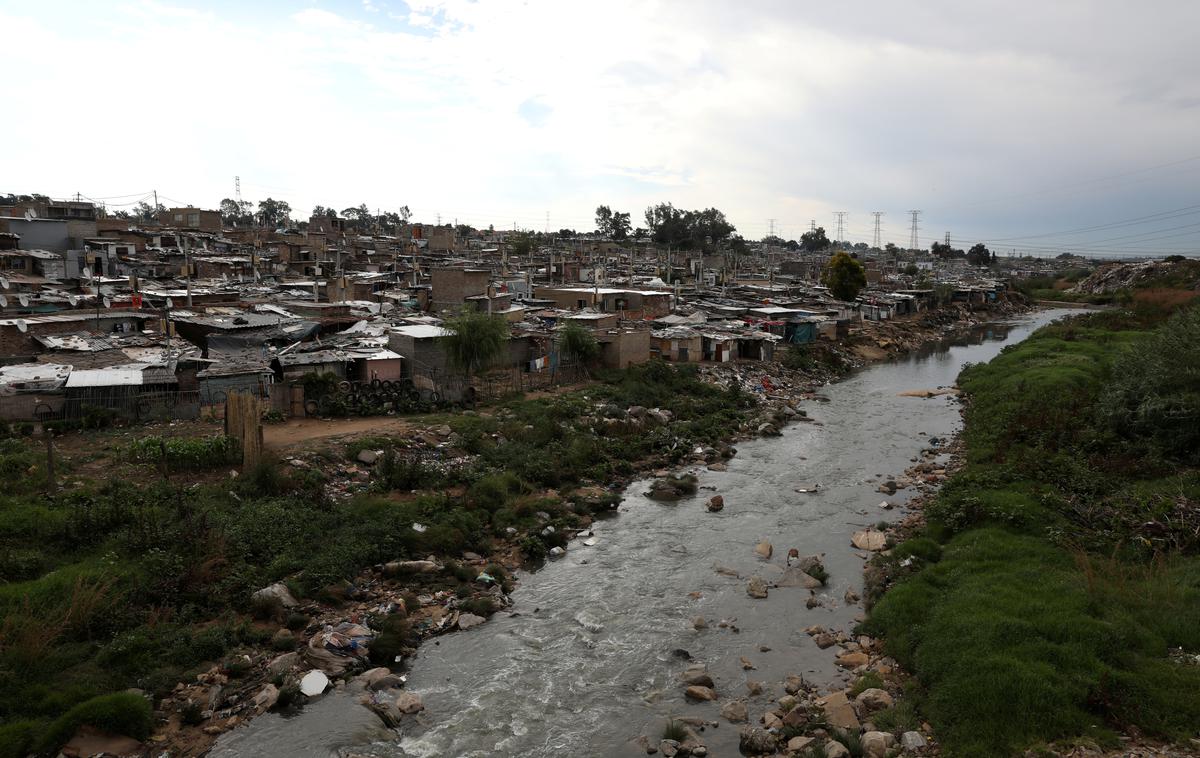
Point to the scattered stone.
(851, 597)
(754, 688)
(468, 620)
(753, 740)
(764, 550)
(668, 748)
(698, 692)
(876, 744)
(824, 640)
(735, 712)
(835, 749)
(726, 571)
(875, 699)
(283, 664)
(557, 552)
(799, 744)
(793, 684)
(794, 576)
(716, 503)
(746, 664)
(698, 676)
(912, 741)
(699, 623)
(717, 467)
(757, 587)
(869, 539)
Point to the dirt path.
(299, 431)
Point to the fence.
(145, 406)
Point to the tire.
(376, 384)
(344, 386)
(311, 407)
(387, 385)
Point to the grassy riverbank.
(1055, 592)
(136, 575)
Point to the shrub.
(480, 606)
(869, 680)
(395, 635)
(120, 713)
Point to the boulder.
(716, 503)
(717, 467)
(735, 712)
(410, 567)
(283, 664)
(557, 552)
(367, 456)
(753, 740)
(409, 702)
(371, 676)
(851, 597)
(796, 717)
(468, 620)
(698, 676)
(314, 683)
(912, 741)
(852, 660)
(793, 576)
(669, 748)
(276, 592)
(389, 682)
(698, 692)
(764, 550)
(636, 411)
(799, 744)
(89, 741)
(835, 749)
(869, 539)
(874, 699)
(699, 623)
(746, 664)
(876, 744)
(754, 688)
(266, 697)
(809, 563)
(756, 587)
(838, 711)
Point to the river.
(584, 662)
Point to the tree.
(891, 249)
(326, 211)
(577, 344)
(567, 233)
(844, 276)
(476, 340)
(273, 213)
(144, 211)
(667, 224)
(911, 269)
(814, 241)
(619, 226)
(521, 244)
(236, 212)
(405, 213)
(604, 216)
(979, 255)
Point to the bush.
(184, 453)
(675, 730)
(121, 713)
(16, 738)
(395, 635)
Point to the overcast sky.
(999, 120)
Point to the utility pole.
(878, 242)
(841, 221)
(914, 243)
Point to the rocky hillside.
(1113, 277)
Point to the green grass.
(1042, 606)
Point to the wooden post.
(243, 422)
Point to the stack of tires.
(374, 398)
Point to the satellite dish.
(22, 327)
(3, 301)
(107, 302)
(23, 299)
(30, 214)
(376, 307)
(73, 300)
(4, 282)
(170, 303)
(87, 273)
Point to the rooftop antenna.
(22, 327)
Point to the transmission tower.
(914, 242)
(771, 224)
(841, 217)
(878, 242)
(947, 239)
(237, 189)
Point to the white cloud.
(495, 110)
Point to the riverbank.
(1047, 596)
(540, 469)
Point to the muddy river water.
(583, 663)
